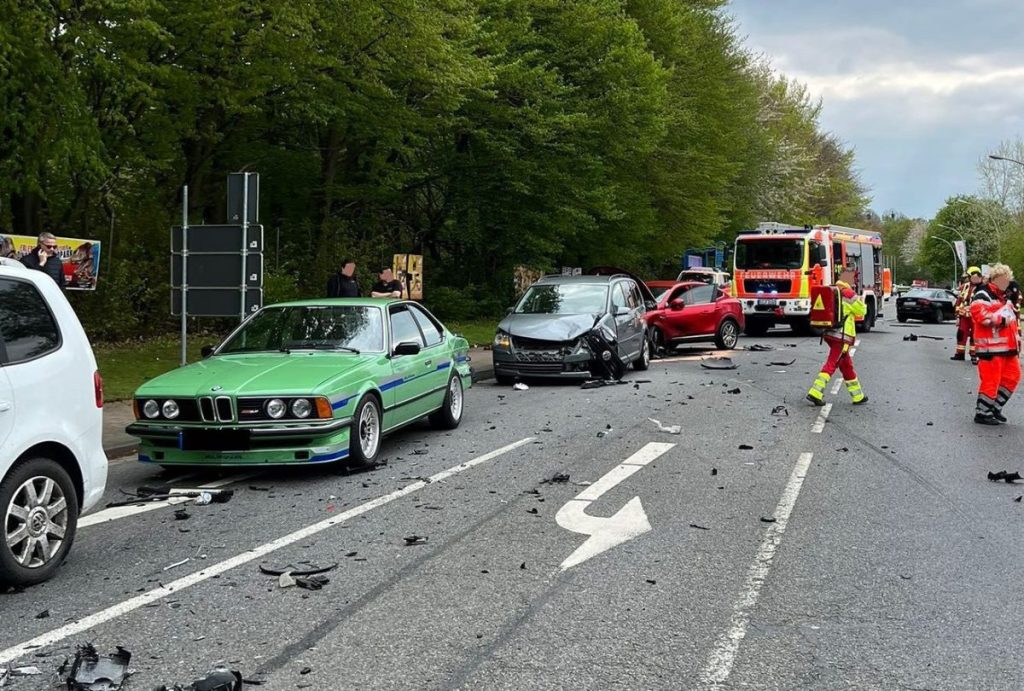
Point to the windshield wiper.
(317, 346)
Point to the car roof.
(353, 302)
(555, 280)
(13, 267)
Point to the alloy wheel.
(455, 397)
(369, 429)
(36, 522)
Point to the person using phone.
(44, 258)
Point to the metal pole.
(184, 274)
(245, 240)
(953, 250)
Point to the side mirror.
(677, 304)
(207, 350)
(407, 348)
(823, 263)
(510, 310)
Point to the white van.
(52, 465)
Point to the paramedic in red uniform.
(840, 339)
(997, 338)
(964, 325)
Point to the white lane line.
(123, 608)
(835, 386)
(720, 662)
(819, 425)
(116, 512)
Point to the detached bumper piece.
(605, 362)
(220, 679)
(90, 670)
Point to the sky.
(922, 90)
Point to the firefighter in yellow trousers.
(840, 339)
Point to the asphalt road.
(862, 550)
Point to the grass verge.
(126, 366)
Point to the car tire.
(643, 361)
(869, 320)
(937, 317)
(728, 334)
(21, 512)
(365, 434)
(449, 415)
(901, 318)
(504, 379)
(658, 346)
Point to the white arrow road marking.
(720, 662)
(122, 608)
(627, 523)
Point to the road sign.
(218, 271)
(237, 196)
(218, 238)
(216, 302)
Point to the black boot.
(985, 419)
(958, 356)
(998, 415)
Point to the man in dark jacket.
(344, 284)
(44, 258)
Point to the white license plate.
(910, 302)
(764, 301)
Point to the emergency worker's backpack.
(826, 307)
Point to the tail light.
(924, 302)
(97, 383)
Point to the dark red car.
(693, 312)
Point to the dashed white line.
(720, 662)
(819, 424)
(122, 608)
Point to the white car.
(702, 274)
(52, 464)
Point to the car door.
(409, 381)
(701, 309)
(625, 322)
(438, 362)
(6, 413)
(677, 322)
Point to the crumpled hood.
(258, 373)
(548, 327)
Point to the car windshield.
(769, 254)
(921, 293)
(565, 298)
(313, 327)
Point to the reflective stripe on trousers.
(818, 387)
(856, 392)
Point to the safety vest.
(963, 300)
(853, 307)
(1000, 337)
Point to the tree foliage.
(482, 133)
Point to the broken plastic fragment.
(718, 363)
(698, 527)
(307, 570)
(780, 411)
(520, 386)
(285, 580)
(91, 671)
(669, 429)
(416, 540)
(760, 348)
(312, 582)
(745, 447)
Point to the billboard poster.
(408, 269)
(81, 258)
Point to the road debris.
(598, 383)
(760, 348)
(781, 363)
(605, 432)
(45, 614)
(780, 411)
(303, 568)
(415, 540)
(699, 527)
(556, 478)
(219, 679)
(312, 582)
(668, 429)
(520, 386)
(182, 515)
(745, 447)
(285, 580)
(714, 471)
(910, 337)
(1008, 478)
(90, 671)
(734, 391)
(931, 338)
(1019, 498)
(177, 564)
(718, 363)
(768, 520)
(147, 495)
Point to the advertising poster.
(81, 258)
(408, 269)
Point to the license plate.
(215, 440)
(910, 302)
(768, 302)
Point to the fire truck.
(775, 265)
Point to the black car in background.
(927, 304)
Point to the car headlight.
(171, 409)
(276, 408)
(301, 408)
(151, 409)
(502, 340)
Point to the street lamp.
(960, 235)
(1004, 158)
(953, 249)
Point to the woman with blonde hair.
(997, 338)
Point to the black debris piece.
(929, 424)
(780, 411)
(932, 338)
(598, 383)
(90, 670)
(735, 391)
(997, 476)
(182, 515)
(219, 679)
(767, 520)
(605, 362)
(782, 363)
(418, 452)
(305, 670)
(312, 582)
(415, 540)
(652, 581)
(557, 478)
(522, 567)
(718, 363)
(301, 569)
(1019, 498)
(745, 447)
(351, 554)
(760, 348)
(257, 488)
(1011, 478)
(843, 449)
(910, 337)
(45, 614)
(533, 511)
(698, 527)
(216, 496)
(532, 491)
(714, 471)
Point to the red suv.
(692, 311)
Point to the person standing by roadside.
(998, 338)
(44, 258)
(964, 324)
(387, 286)
(840, 340)
(343, 284)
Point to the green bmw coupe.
(317, 381)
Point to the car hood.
(548, 327)
(259, 373)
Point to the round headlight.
(151, 409)
(171, 410)
(302, 408)
(276, 408)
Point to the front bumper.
(239, 445)
(528, 365)
(782, 307)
